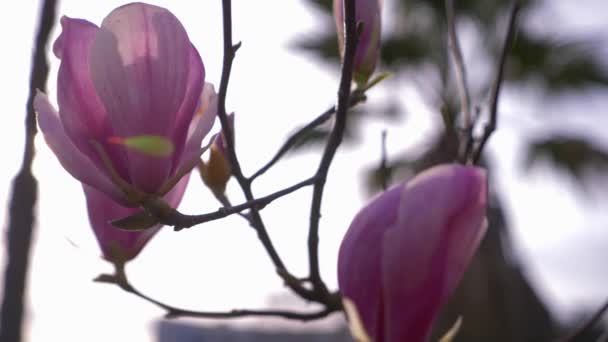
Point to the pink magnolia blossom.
(406, 251)
(368, 48)
(132, 99)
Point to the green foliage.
(560, 65)
(574, 155)
(418, 37)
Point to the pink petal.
(359, 260)
(82, 114)
(440, 224)
(201, 124)
(70, 157)
(141, 66)
(368, 47)
(196, 95)
(102, 210)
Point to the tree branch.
(587, 325)
(299, 134)
(24, 194)
(461, 79)
(495, 91)
(120, 279)
(245, 184)
(182, 221)
(385, 172)
(351, 37)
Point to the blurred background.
(541, 269)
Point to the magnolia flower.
(131, 115)
(368, 48)
(131, 88)
(406, 251)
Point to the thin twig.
(461, 76)
(300, 133)
(120, 279)
(245, 184)
(385, 173)
(587, 325)
(24, 194)
(181, 221)
(495, 91)
(335, 138)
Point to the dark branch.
(298, 135)
(461, 78)
(181, 221)
(495, 91)
(351, 37)
(385, 172)
(121, 280)
(245, 184)
(587, 325)
(24, 194)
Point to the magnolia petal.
(451, 334)
(359, 259)
(139, 66)
(201, 124)
(198, 93)
(439, 227)
(82, 113)
(102, 210)
(141, 63)
(357, 330)
(70, 157)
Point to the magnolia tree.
(134, 108)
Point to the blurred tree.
(496, 299)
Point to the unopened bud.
(367, 12)
(216, 172)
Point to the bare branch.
(245, 184)
(587, 325)
(24, 194)
(299, 134)
(351, 38)
(181, 221)
(385, 173)
(461, 76)
(120, 279)
(495, 91)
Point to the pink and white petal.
(469, 226)
(70, 157)
(195, 98)
(140, 63)
(82, 113)
(426, 253)
(102, 210)
(359, 260)
(201, 124)
(174, 197)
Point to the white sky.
(272, 90)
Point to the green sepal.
(141, 220)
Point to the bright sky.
(221, 265)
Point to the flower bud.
(216, 172)
(406, 251)
(367, 12)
